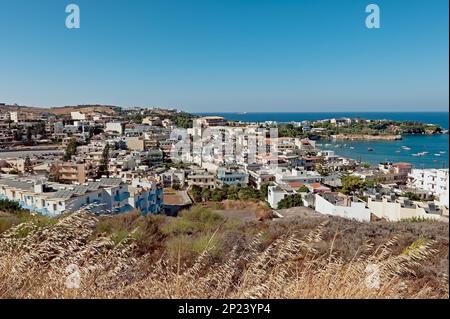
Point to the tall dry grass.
(35, 262)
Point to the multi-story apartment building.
(434, 181)
(146, 196)
(73, 172)
(109, 194)
(231, 176)
(202, 178)
(115, 127)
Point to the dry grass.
(35, 262)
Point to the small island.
(358, 129)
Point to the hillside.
(104, 109)
(207, 255)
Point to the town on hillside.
(112, 160)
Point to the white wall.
(356, 211)
(393, 211)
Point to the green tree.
(54, 174)
(17, 135)
(196, 192)
(103, 168)
(217, 195)
(29, 134)
(264, 191)
(10, 206)
(247, 193)
(206, 194)
(303, 189)
(176, 186)
(412, 196)
(28, 168)
(71, 149)
(290, 201)
(352, 185)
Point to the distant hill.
(91, 108)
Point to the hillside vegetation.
(202, 254)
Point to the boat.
(442, 152)
(420, 154)
(406, 148)
(370, 149)
(352, 148)
(437, 154)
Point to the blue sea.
(437, 146)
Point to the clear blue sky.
(227, 55)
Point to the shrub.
(290, 201)
(7, 205)
(411, 196)
(303, 189)
(196, 219)
(113, 224)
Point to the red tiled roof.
(296, 184)
(402, 164)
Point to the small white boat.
(406, 148)
(437, 154)
(420, 154)
(442, 152)
(352, 148)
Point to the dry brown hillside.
(202, 254)
(104, 109)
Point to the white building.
(114, 127)
(434, 181)
(53, 198)
(15, 117)
(286, 176)
(78, 116)
(278, 192)
(146, 196)
(341, 205)
(395, 209)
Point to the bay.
(436, 146)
